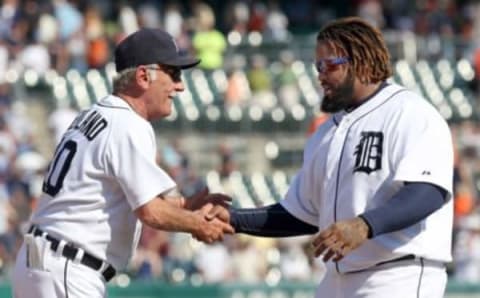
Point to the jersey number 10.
(59, 167)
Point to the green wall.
(284, 290)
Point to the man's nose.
(179, 86)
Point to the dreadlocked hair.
(364, 45)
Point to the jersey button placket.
(336, 149)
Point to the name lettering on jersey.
(89, 124)
(368, 153)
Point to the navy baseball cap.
(150, 46)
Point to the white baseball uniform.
(103, 169)
(355, 162)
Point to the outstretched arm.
(412, 203)
(269, 221)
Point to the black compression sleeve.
(269, 221)
(412, 203)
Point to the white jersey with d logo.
(357, 161)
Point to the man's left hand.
(339, 239)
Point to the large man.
(376, 178)
(104, 180)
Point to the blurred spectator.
(249, 263)
(318, 119)
(127, 20)
(208, 43)
(152, 248)
(288, 92)
(8, 11)
(47, 29)
(173, 19)
(171, 156)
(5, 97)
(227, 161)
(371, 10)
(258, 76)
(97, 44)
(9, 238)
(179, 262)
(238, 90)
(69, 17)
(59, 121)
(294, 264)
(148, 15)
(4, 56)
(258, 15)
(70, 24)
(237, 16)
(188, 181)
(36, 57)
(19, 124)
(28, 170)
(260, 83)
(214, 263)
(276, 23)
(464, 201)
(8, 148)
(476, 67)
(467, 248)
(177, 164)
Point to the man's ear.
(142, 77)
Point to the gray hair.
(123, 79)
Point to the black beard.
(341, 97)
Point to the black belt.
(69, 252)
(404, 258)
(400, 259)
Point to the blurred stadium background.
(239, 127)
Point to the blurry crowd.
(80, 34)
(61, 35)
(21, 175)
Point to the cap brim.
(184, 62)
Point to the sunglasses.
(329, 64)
(175, 73)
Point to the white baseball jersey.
(357, 161)
(102, 170)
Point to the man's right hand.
(214, 223)
(219, 212)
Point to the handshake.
(211, 214)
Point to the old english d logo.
(368, 153)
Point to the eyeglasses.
(329, 64)
(175, 73)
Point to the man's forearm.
(411, 204)
(269, 221)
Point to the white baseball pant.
(410, 278)
(45, 274)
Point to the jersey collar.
(380, 87)
(114, 102)
(383, 94)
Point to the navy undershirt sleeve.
(269, 221)
(412, 203)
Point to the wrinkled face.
(336, 77)
(165, 82)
